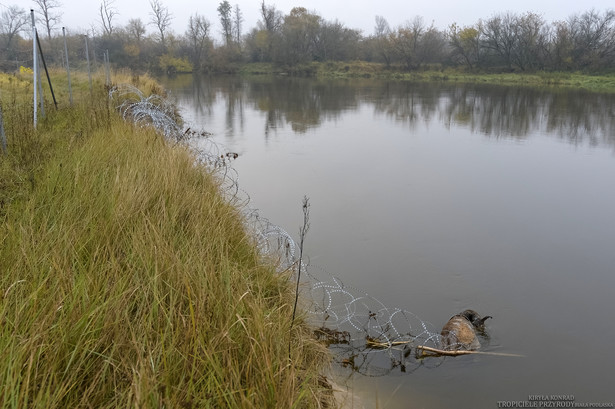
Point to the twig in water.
(375, 344)
(428, 351)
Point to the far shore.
(359, 69)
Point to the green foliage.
(172, 65)
(362, 69)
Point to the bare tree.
(465, 44)
(432, 46)
(48, 15)
(500, 37)
(531, 42)
(161, 18)
(260, 41)
(406, 42)
(382, 35)
(107, 13)
(237, 21)
(593, 38)
(12, 21)
(226, 21)
(272, 18)
(335, 42)
(382, 28)
(198, 35)
(136, 29)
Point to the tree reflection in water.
(575, 116)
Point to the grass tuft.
(128, 281)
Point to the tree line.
(503, 42)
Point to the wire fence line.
(366, 335)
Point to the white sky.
(81, 15)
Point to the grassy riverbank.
(127, 281)
(349, 70)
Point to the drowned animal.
(459, 333)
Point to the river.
(435, 198)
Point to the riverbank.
(127, 280)
(358, 69)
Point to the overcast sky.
(81, 15)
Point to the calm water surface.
(437, 198)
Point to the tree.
(593, 39)
(272, 18)
(561, 46)
(432, 46)
(405, 42)
(336, 42)
(237, 20)
(134, 46)
(107, 13)
(382, 37)
(531, 42)
(161, 18)
(299, 36)
(48, 16)
(259, 41)
(12, 22)
(500, 37)
(226, 21)
(136, 29)
(198, 36)
(465, 44)
(382, 28)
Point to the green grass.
(127, 281)
(361, 69)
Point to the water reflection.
(300, 103)
(518, 112)
(575, 116)
(445, 222)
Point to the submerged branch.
(429, 352)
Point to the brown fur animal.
(459, 333)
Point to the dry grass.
(127, 281)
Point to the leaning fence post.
(70, 90)
(34, 67)
(40, 49)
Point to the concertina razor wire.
(364, 334)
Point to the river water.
(436, 198)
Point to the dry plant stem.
(302, 232)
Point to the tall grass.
(127, 281)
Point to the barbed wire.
(365, 334)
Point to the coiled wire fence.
(365, 335)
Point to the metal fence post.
(34, 67)
(107, 68)
(70, 90)
(2, 134)
(87, 56)
(40, 88)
